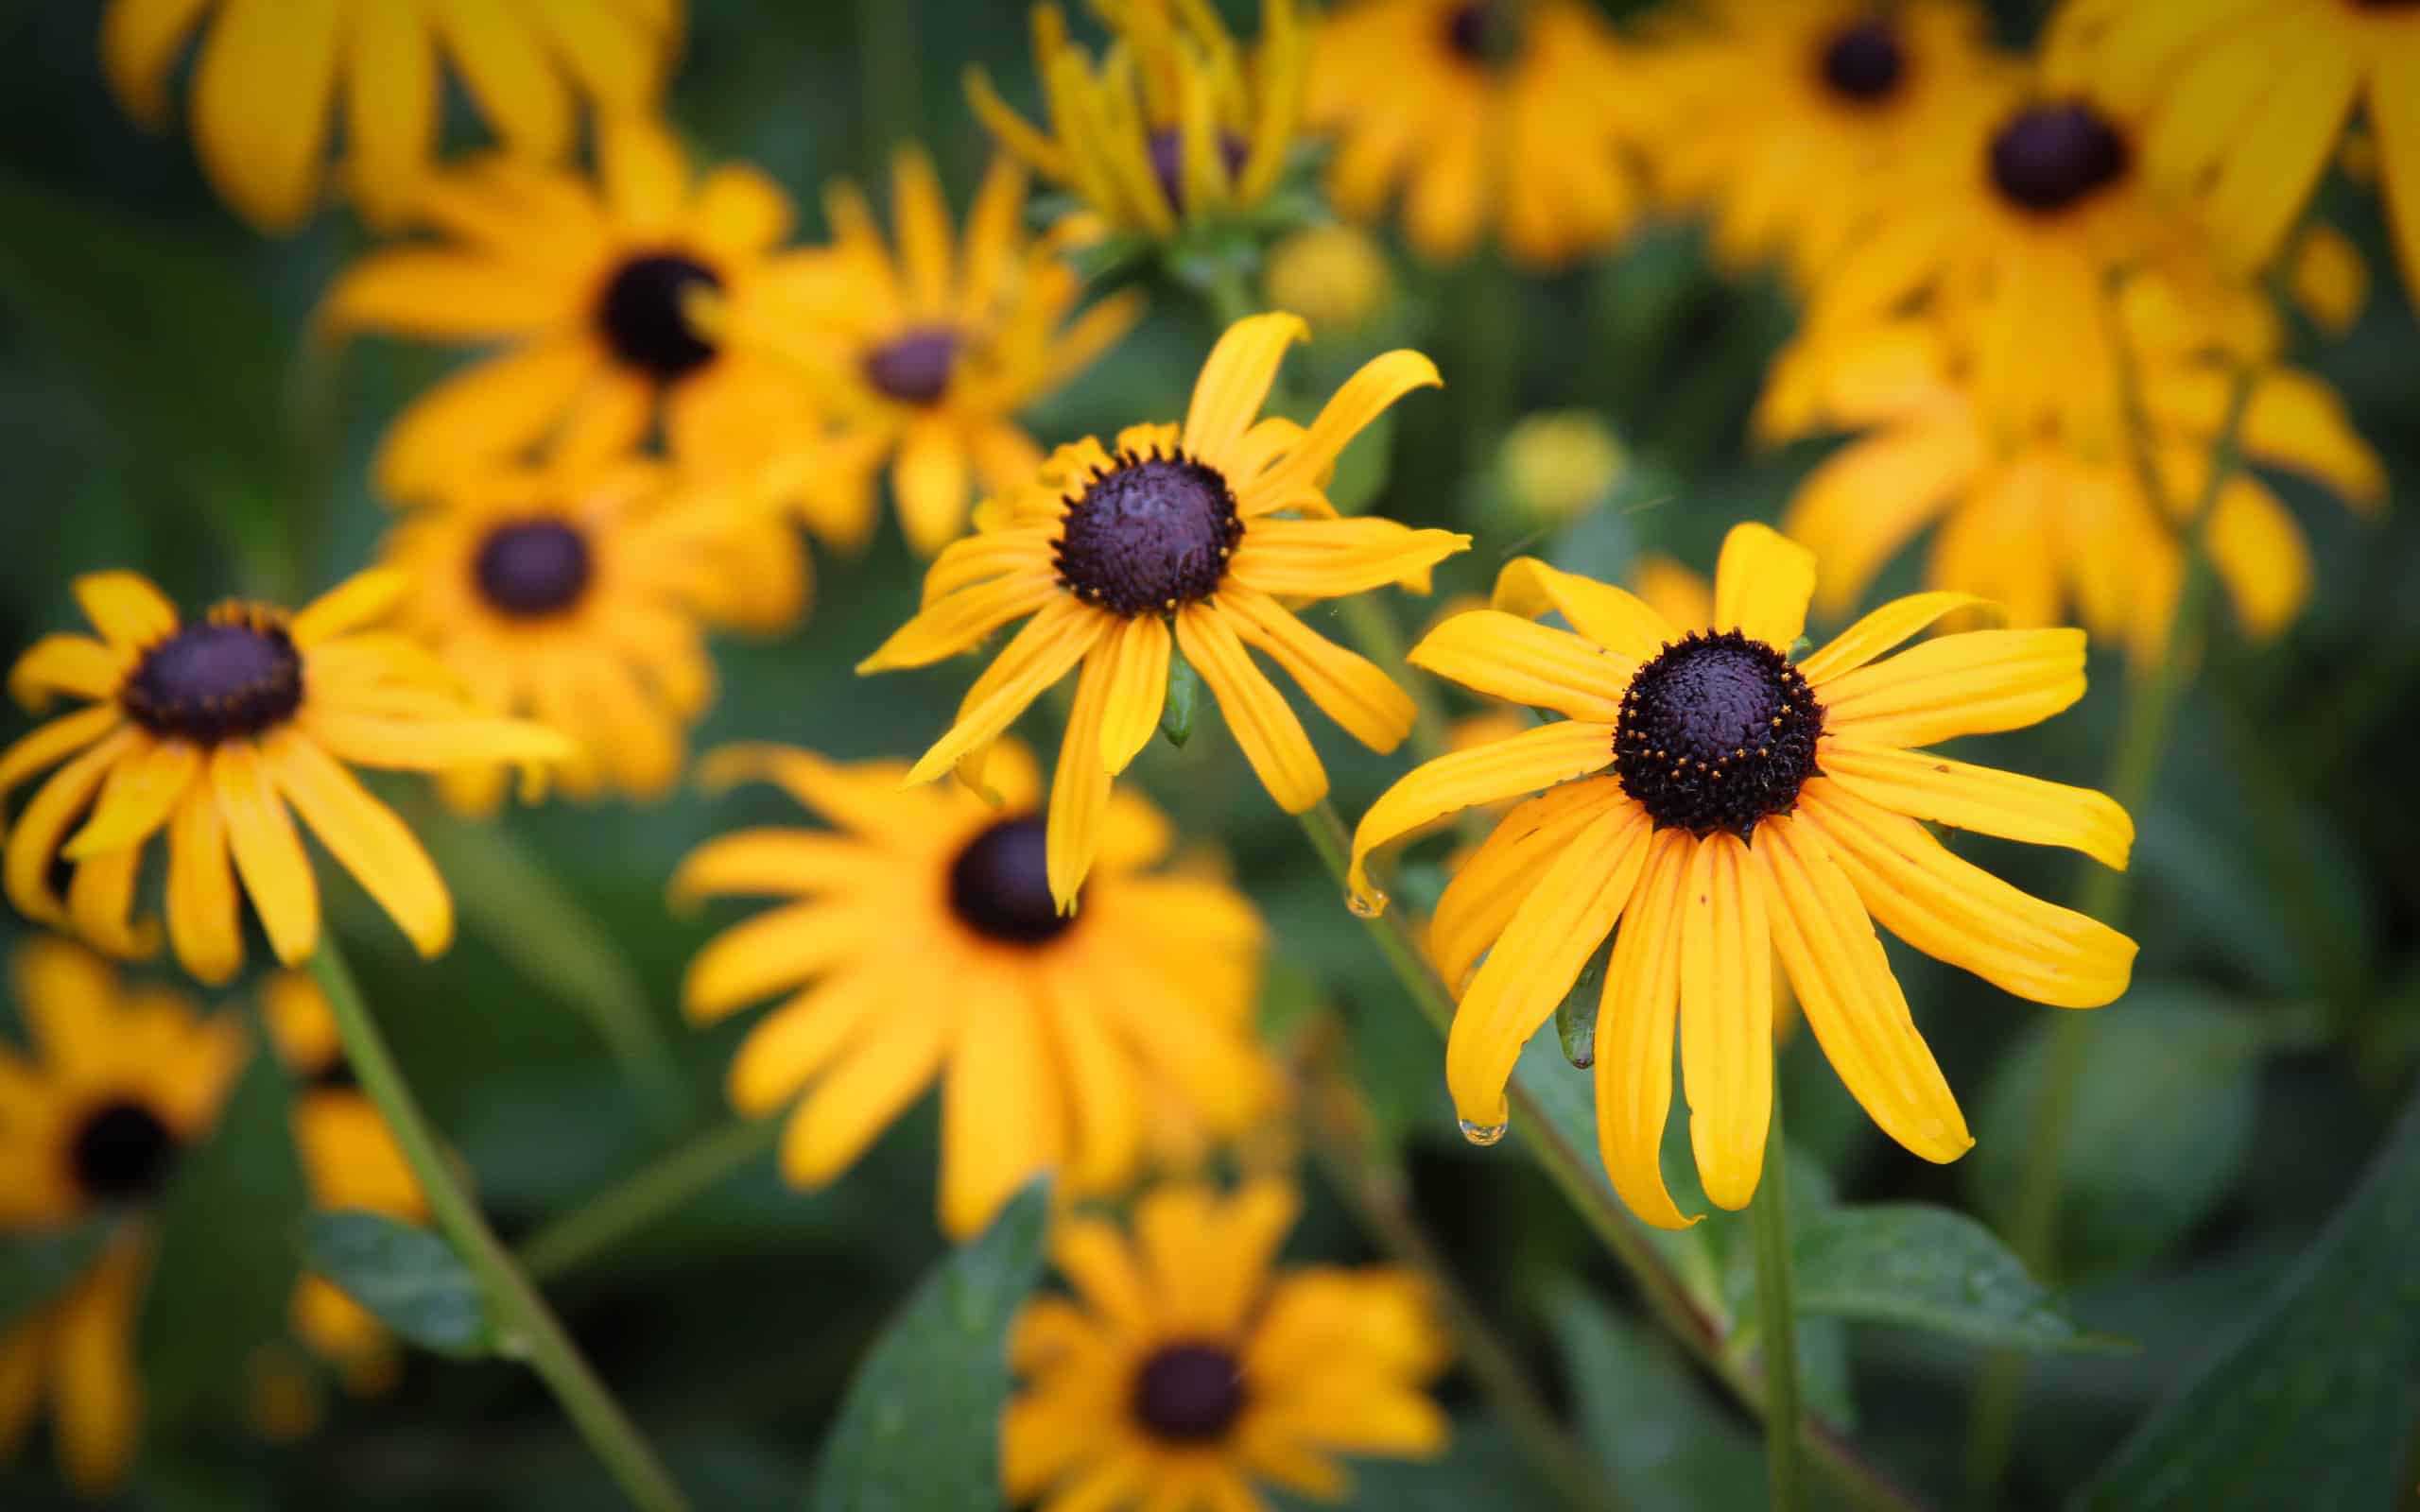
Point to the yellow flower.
(1753, 805)
(920, 359)
(1559, 465)
(2049, 520)
(119, 1083)
(1335, 277)
(269, 76)
(1174, 126)
(2244, 105)
(350, 1160)
(607, 294)
(1784, 120)
(922, 941)
(1480, 110)
(574, 593)
(211, 731)
(1185, 1369)
(1216, 526)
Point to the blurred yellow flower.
(220, 732)
(609, 293)
(120, 1082)
(1215, 527)
(350, 1161)
(922, 941)
(1480, 110)
(1560, 465)
(1752, 805)
(268, 75)
(1175, 125)
(920, 359)
(1187, 1370)
(1334, 277)
(2327, 278)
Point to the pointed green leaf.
(1183, 700)
(1575, 1018)
(408, 1277)
(1929, 1268)
(921, 1425)
(35, 1267)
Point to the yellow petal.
(921, 218)
(1064, 633)
(506, 69)
(492, 410)
(1968, 684)
(140, 40)
(959, 622)
(859, 1098)
(1365, 396)
(393, 94)
(1865, 501)
(1003, 1111)
(2278, 156)
(269, 854)
(1533, 760)
(741, 212)
(1726, 1017)
(33, 839)
(1333, 559)
(125, 607)
(770, 863)
(1878, 632)
(1079, 785)
(768, 954)
(1762, 585)
(930, 479)
(1965, 797)
(261, 96)
(73, 664)
(1235, 380)
(366, 838)
(440, 294)
(98, 1398)
(1487, 889)
(1103, 1087)
(1618, 621)
(1507, 656)
(140, 793)
(357, 601)
(1635, 1021)
(1138, 655)
(1271, 737)
(99, 898)
(50, 744)
(427, 745)
(1351, 691)
(205, 925)
(798, 1040)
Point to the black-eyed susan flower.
(1211, 528)
(274, 79)
(350, 1162)
(607, 293)
(1187, 1369)
(921, 941)
(221, 732)
(2244, 105)
(1783, 121)
(118, 1084)
(574, 593)
(1721, 803)
(1480, 111)
(1176, 125)
(920, 359)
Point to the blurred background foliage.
(164, 405)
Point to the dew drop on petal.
(1483, 1134)
(1366, 905)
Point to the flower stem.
(1583, 1179)
(2032, 1225)
(1777, 1322)
(520, 1314)
(598, 1225)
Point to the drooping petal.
(1972, 683)
(1260, 719)
(55, 741)
(1726, 1017)
(1138, 655)
(393, 94)
(1488, 886)
(1533, 760)
(506, 70)
(1762, 585)
(929, 480)
(98, 1396)
(77, 665)
(1079, 786)
(269, 854)
(1103, 1091)
(142, 791)
(1349, 689)
(260, 94)
(34, 840)
(366, 838)
(1981, 799)
(1615, 619)
(205, 923)
(1365, 396)
(1521, 662)
(140, 40)
(1635, 1026)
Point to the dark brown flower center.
(999, 885)
(1482, 32)
(2047, 157)
(1151, 533)
(1863, 61)
(1167, 163)
(1716, 732)
(1189, 1393)
(642, 318)
(914, 369)
(336, 1075)
(531, 569)
(235, 675)
(121, 1153)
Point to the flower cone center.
(232, 676)
(2050, 155)
(999, 885)
(642, 318)
(121, 1153)
(1189, 1393)
(915, 369)
(1716, 732)
(1865, 61)
(531, 569)
(1151, 533)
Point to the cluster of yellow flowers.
(2033, 289)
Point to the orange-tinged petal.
(1762, 585)
(1634, 1024)
(1965, 797)
(1533, 760)
(1521, 662)
(1619, 620)
(1726, 1017)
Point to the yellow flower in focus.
(350, 1161)
(270, 78)
(1721, 803)
(1334, 277)
(118, 1084)
(2245, 105)
(574, 593)
(220, 732)
(1175, 125)
(921, 358)
(1480, 111)
(608, 293)
(1215, 527)
(1187, 1370)
(921, 941)
(1784, 120)
(1558, 466)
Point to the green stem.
(1777, 1320)
(1229, 292)
(1578, 1173)
(520, 1314)
(2032, 1226)
(599, 1224)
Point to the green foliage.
(1183, 700)
(1663, 1444)
(408, 1277)
(1930, 1269)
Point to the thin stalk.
(519, 1313)
(2032, 1226)
(1585, 1186)
(1373, 1188)
(646, 1197)
(1777, 1322)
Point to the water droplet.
(1366, 905)
(1483, 1133)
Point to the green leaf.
(2311, 1405)
(35, 1267)
(1930, 1269)
(1645, 1415)
(1575, 1017)
(920, 1426)
(410, 1278)
(2163, 1121)
(1183, 700)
